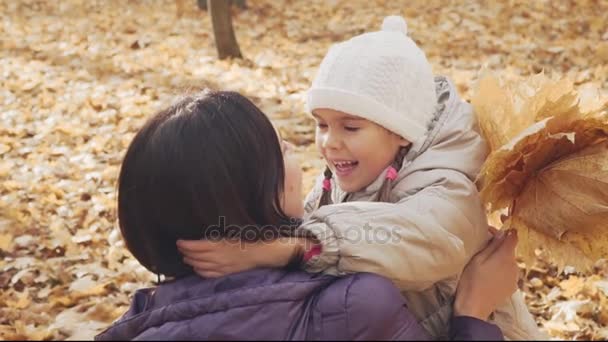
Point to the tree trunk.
(180, 8)
(202, 4)
(240, 3)
(225, 41)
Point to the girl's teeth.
(345, 166)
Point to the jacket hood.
(452, 142)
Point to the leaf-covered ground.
(78, 77)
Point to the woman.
(212, 167)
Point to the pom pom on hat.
(394, 23)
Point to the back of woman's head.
(206, 166)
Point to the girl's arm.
(212, 259)
(416, 242)
(215, 259)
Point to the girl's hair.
(209, 166)
(385, 189)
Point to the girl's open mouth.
(344, 168)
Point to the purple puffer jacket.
(278, 305)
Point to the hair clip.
(326, 184)
(391, 173)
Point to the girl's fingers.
(202, 256)
(202, 264)
(493, 230)
(208, 274)
(195, 246)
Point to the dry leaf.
(567, 202)
(549, 166)
(5, 241)
(573, 286)
(602, 52)
(523, 141)
(567, 311)
(22, 301)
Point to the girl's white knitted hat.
(381, 76)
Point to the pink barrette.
(314, 251)
(326, 185)
(391, 173)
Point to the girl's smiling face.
(356, 150)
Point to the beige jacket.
(434, 224)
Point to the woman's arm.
(465, 328)
(386, 316)
(488, 280)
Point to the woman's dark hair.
(208, 166)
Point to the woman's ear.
(404, 142)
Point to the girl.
(397, 197)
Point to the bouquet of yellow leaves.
(548, 166)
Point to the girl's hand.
(489, 279)
(212, 259)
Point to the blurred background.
(79, 77)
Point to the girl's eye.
(351, 129)
(321, 125)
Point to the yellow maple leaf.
(576, 184)
(548, 165)
(22, 301)
(572, 286)
(5, 241)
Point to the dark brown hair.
(208, 166)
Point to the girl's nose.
(331, 141)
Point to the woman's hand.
(489, 279)
(212, 259)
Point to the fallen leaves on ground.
(79, 77)
(569, 305)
